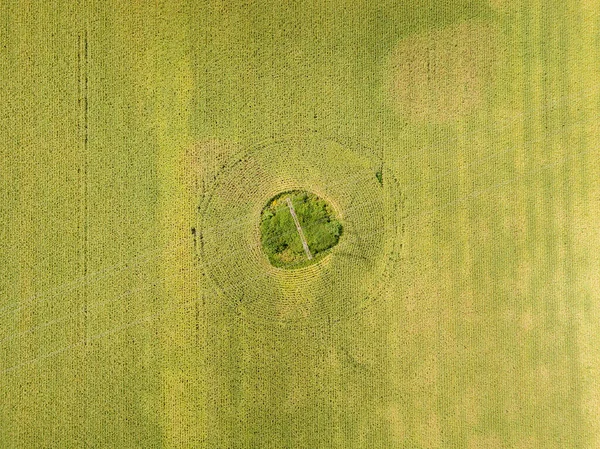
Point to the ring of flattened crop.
(342, 283)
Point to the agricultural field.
(440, 160)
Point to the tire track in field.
(299, 228)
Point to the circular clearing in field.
(298, 229)
(348, 276)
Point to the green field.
(457, 142)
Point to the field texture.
(457, 142)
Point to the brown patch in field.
(442, 75)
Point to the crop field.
(439, 282)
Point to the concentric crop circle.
(342, 282)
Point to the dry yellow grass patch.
(442, 75)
